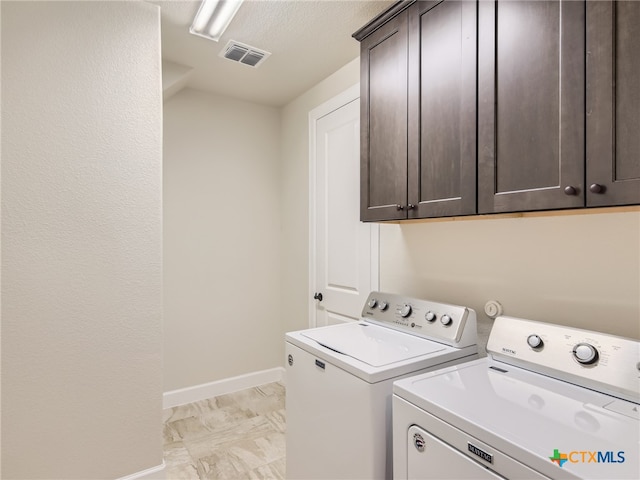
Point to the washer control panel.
(451, 324)
(599, 361)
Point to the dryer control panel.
(601, 362)
(452, 325)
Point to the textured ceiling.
(308, 41)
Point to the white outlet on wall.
(493, 308)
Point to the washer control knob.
(429, 316)
(382, 306)
(372, 303)
(535, 341)
(405, 311)
(585, 353)
(446, 320)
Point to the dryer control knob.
(372, 303)
(405, 311)
(585, 353)
(382, 306)
(446, 320)
(535, 341)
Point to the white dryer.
(548, 402)
(339, 382)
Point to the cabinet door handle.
(399, 207)
(596, 188)
(411, 206)
(570, 190)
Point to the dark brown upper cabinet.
(383, 121)
(418, 111)
(498, 106)
(531, 105)
(613, 103)
(442, 109)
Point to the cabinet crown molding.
(383, 18)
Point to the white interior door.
(343, 250)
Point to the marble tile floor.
(240, 435)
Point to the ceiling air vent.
(245, 54)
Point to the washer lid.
(374, 345)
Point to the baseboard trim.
(153, 473)
(196, 393)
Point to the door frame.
(340, 100)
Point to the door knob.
(318, 296)
(570, 190)
(596, 188)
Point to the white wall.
(81, 239)
(577, 270)
(0, 255)
(235, 231)
(221, 239)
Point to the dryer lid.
(372, 344)
(531, 418)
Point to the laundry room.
(164, 227)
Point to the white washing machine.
(548, 402)
(340, 379)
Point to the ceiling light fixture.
(213, 18)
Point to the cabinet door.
(531, 105)
(383, 81)
(613, 103)
(442, 112)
